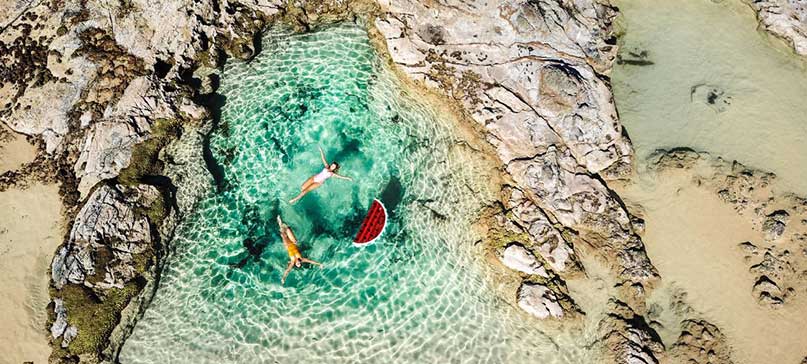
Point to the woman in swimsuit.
(317, 180)
(290, 242)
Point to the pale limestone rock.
(786, 19)
(515, 256)
(106, 151)
(539, 301)
(532, 74)
(110, 222)
(108, 145)
(547, 62)
(546, 239)
(69, 334)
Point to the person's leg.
(303, 189)
(310, 188)
(307, 183)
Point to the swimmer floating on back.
(290, 242)
(317, 180)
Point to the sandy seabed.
(693, 239)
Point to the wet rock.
(539, 301)
(515, 256)
(786, 19)
(626, 338)
(774, 225)
(700, 342)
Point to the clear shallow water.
(716, 84)
(417, 296)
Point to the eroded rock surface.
(108, 233)
(515, 256)
(786, 19)
(700, 343)
(539, 301)
(541, 292)
(627, 338)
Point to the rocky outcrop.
(108, 258)
(108, 145)
(700, 342)
(786, 19)
(538, 300)
(515, 256)
(627, 338)
(541, 292)
(531, 75)
(779, 260)
(110, 231)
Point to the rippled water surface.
(418, 295)
(698, 73)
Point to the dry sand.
(31, 228)
(14, 150)
(692, 238)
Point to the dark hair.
(337, 166)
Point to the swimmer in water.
(290, 242)
(318, 179)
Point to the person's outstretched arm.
(288, 269)
(342, 177)
(322, 154)
(311, 261)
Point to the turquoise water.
(418, 295)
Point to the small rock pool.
(419, 295)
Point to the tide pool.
(418, 295)
(699, 74)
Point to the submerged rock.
(700, 342)
(627, 338)
(775, 223)
(752, 195)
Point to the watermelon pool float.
(373, 224)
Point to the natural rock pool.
(419, 295)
